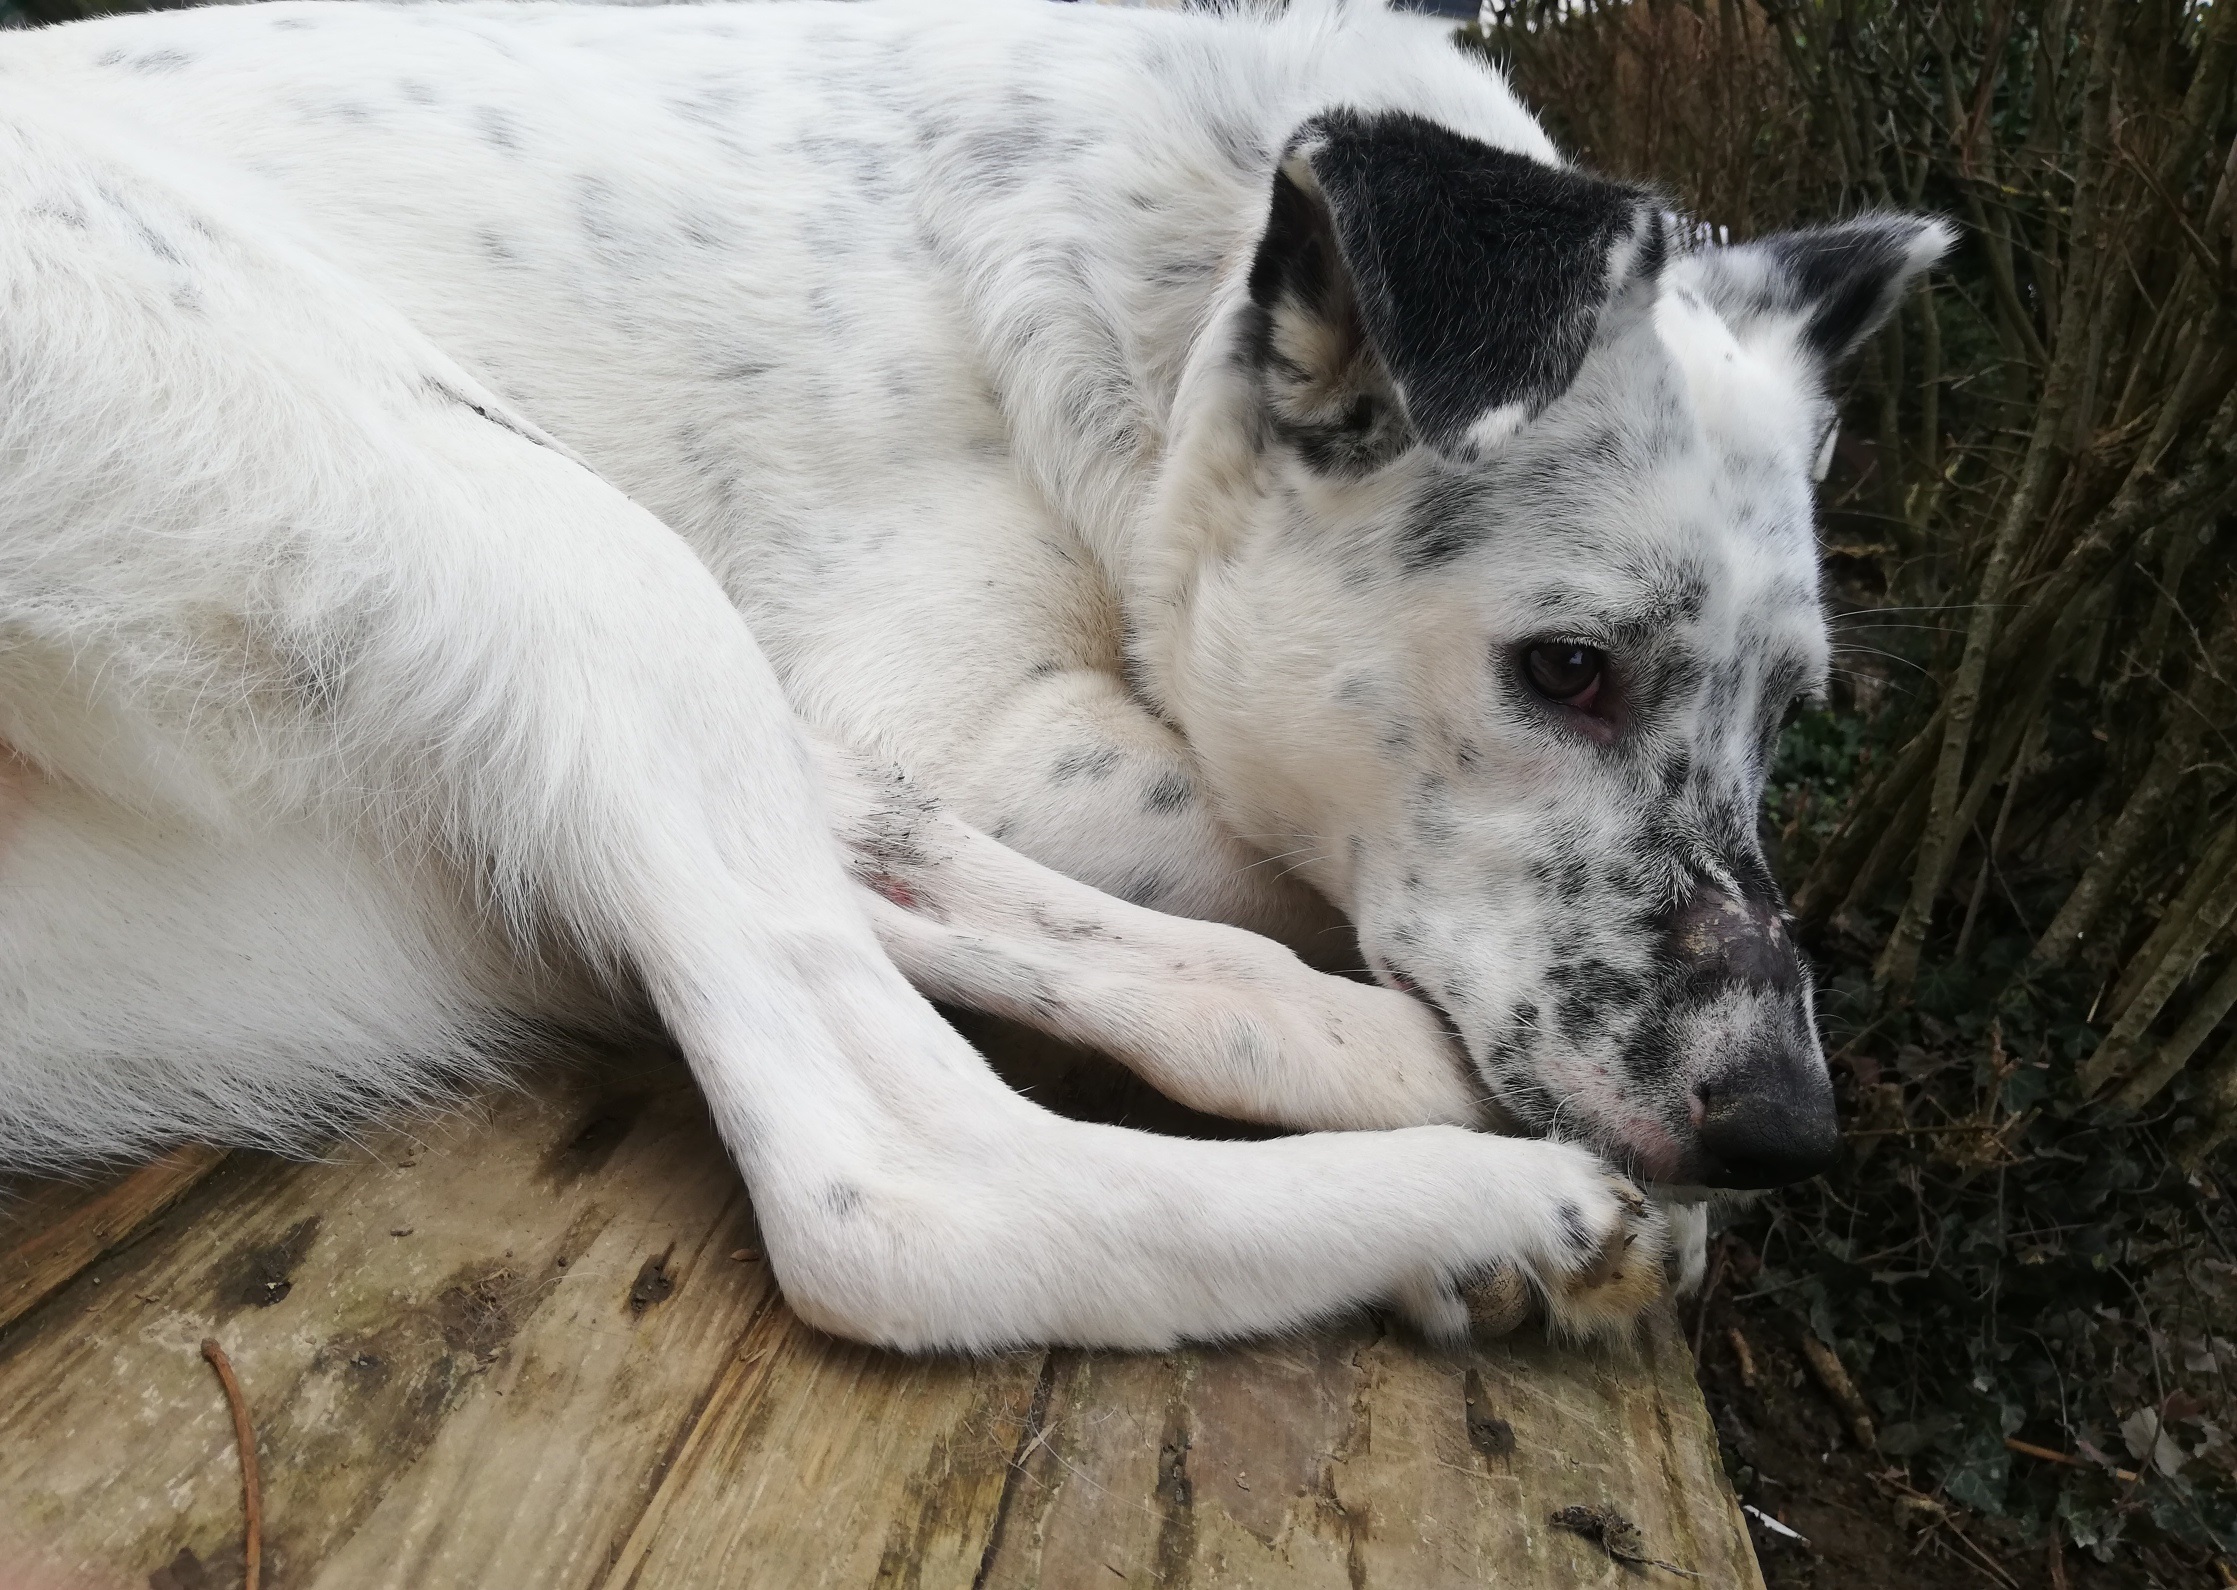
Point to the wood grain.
(1357, 1458)
(515, 1349)
(49, 1232)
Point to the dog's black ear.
(1834, 285)
(1406, 266)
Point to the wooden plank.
(50, 1231)
(439, 1399)
(819, 1464)
(441, 1402)
(1360, 1458)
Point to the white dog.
(523, 515)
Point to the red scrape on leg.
(886, 884)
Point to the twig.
(1939, 1513)
(1995, 1568)
(1741, 1353)
(2048, 1455)
(245, 1435)
(1826, 1365)
(1708, 1293)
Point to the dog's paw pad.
(1499, 1302)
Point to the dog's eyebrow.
(1637, 601)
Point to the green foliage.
(1813, 779)
(1995, 1260)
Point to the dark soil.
(1790, 1453)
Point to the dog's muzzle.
(1762, 1114)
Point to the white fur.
(448, 458)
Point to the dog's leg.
(270, 558)
(1218, 1018)
(1075, 772)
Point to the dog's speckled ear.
(1464, 282)
(1833, 286)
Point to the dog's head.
(1500, 581)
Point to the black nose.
(1721, 940)
(1766, 1122)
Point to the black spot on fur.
(156, 243)
(1443, 522)
(1591, 995)
(1143, 889)
(1168, 793)
(1091, 763)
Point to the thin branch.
(244, 1436)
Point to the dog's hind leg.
(267, 561)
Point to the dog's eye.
(1361, 418)
(1566, 672)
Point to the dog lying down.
(762, 514)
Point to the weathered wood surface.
(522, 1350)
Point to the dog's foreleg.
(1213, 1016)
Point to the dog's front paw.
(1575, 1242)
(1610, 1265)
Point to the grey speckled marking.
(1169, 792)
(497, 128)
(1092, 764)
(1144, 889)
